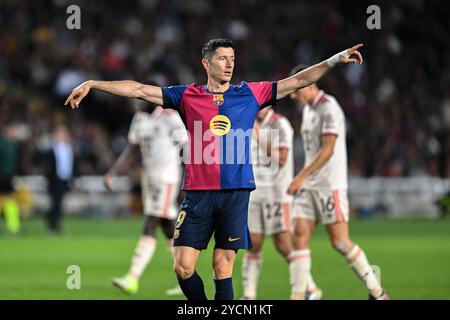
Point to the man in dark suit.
(60, 161)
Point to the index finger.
(359, 45)
(68, 99)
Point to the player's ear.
(205, 63)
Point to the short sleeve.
(172, 96)
(178, 130)
(134, 129)
(330, 119)
(265, 92)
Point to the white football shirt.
(159, 135)
(278, 130)
(324, 117)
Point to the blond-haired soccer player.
(320, 189)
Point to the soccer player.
(270, 205)
(159, 134)
(321, 189)
(219, 117)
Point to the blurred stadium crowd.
(397, 103)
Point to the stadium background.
(397, 105)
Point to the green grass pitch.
(414, 257)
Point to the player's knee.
(301, 239)
(283, 248)
(222, 268)
(341, 246)
(183, 270)
(299, 233)
(256, 244)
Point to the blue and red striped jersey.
(220, 127)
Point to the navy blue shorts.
(222, 212)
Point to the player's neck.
(315, 97)
(215, 86)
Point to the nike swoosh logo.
(230, 239)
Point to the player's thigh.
(304, 207)
(195, 223)
(333, 205)
(339, 230)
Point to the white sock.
(143, 253)
(300, 270)
(358, 262)
(251, 268)
(311, 284)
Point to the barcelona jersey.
(220, 127)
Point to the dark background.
(397, 103)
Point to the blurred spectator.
(60, 164)
(397, 103)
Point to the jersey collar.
(205, 88)
(317, 98)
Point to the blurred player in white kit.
(159, 134)
(320, 190)
(270, 205)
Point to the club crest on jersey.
(218, 99)
(220, 125)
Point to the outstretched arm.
(312, 74)
(125, 88)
